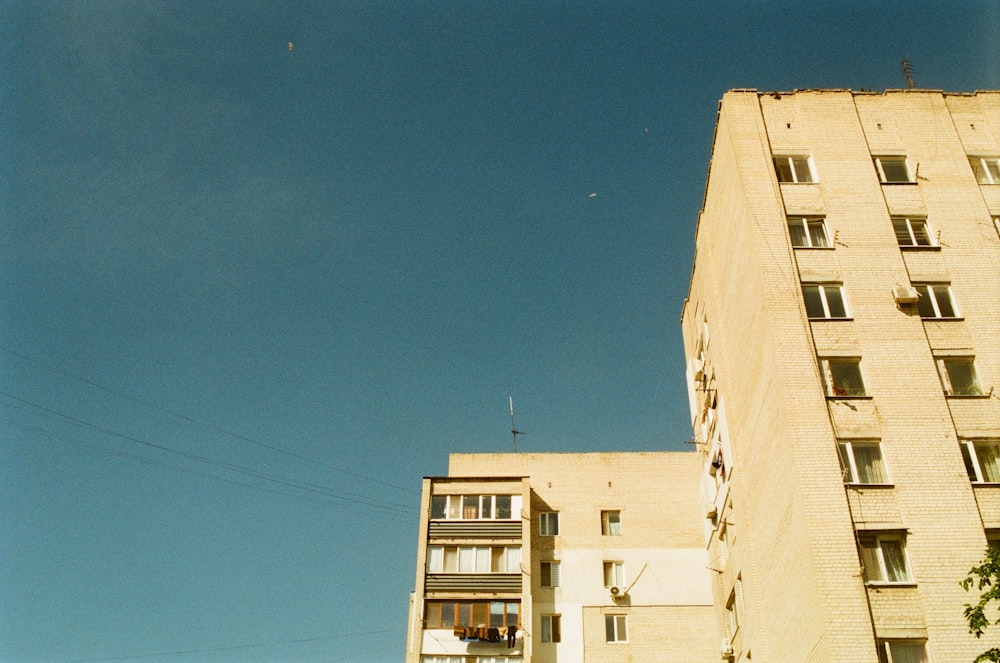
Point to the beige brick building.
(842, 331)
(595, 557)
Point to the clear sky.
(251, 294)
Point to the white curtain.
(513, 560)
(466, 560)
(895, 561)
(435, 559)
(482, 560)
(869, 460)
(989, 461)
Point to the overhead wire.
(158, 463)
(305, 486)
(212, 427)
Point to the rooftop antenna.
(513, 428)
(908, 72)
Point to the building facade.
(842, 333)
(593, 558)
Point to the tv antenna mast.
(908, 72)
(513, 428)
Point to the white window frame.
(472, 559)
(944, 371)
(822, 288)
(616, 628)
(553, 573)
(972, 451)
(454, 507)
(895, 159)
(986, 169)
(551, 629)
(829, 384)
(881, 541)
(846, 451)
(794, 162)
(505, 559)
(611, 522)
(548, 523)
(935, 294)
(886, 654)
(465, 658)
(614, 573)
(807, 224)
(913, 226)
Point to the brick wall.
(789, 522)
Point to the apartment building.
(842, 333)
(592, 557)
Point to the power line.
(158, 463)
(240, 469)
(217, 429)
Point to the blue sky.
(249, 295)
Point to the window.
(548, 523)
(892, 170)
(551, 628)
(470, 506)
(503, 506)
(982, 460)
(615, 628)
(935, 301)
(911, 231)
(824, 301)
(506, 559)
(958, 376)
(473, 559)
(611, 523)
(449, 614)
(808, 232)
(732, 615)
(883, 555)
(861, 462)
(842, 378)
(897, 651)
(549, 576)
(794, 169)
(614, 574)
(987, 169)
(475, 507)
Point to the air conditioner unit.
(711, 511)
(727, 648)
(716, 463)
(617, 592)
(904, 294)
